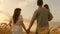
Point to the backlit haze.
(28, 7)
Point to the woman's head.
(16, 14)
(17, 10)
(46, 6)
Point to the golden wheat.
(4, 29)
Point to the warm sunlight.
(1, 8)
(4, 18)
(28, 7)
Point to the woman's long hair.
(16, 14)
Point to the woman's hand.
(28, 30)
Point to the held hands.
(28, 30)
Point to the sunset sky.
(29, 6)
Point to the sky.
(29, 6)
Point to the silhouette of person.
(41, 15)
(47, 7)
(17, 21)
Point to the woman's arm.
(11, 20)
(22, 24)
(10, 23)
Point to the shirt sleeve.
(35, 15)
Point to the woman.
(49, 17)
(47, 7)
(17, 21)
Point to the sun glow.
(1, 8)
(4, 18)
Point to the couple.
(42, 15)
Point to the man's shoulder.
(36, 10)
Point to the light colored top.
(16, 28)
(20, 18)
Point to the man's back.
(41, 15)
(42, 19)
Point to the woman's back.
(16, 28)
(20, 18)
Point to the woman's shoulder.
(20, 17)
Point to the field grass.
(5, 29)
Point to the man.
(41, 15)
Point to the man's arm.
(50, 17)
(31, 23)
(32, 20)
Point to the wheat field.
(5, 29)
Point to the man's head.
(40, 2)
